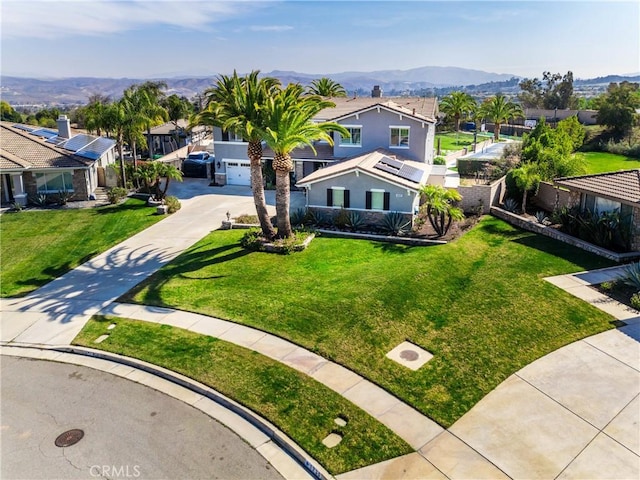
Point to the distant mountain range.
(418, 81)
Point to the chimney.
(64, 127)
(376, 92)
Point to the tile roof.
(420, 107)
(19, 149)
(366, 163)
(622, 186)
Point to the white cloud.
(54, 19)
(270, 28)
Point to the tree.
(457, 105)
(527, 178)
(236, 104)
(288, 125)
(499, 110)
(556, 92)
(152, 95)
(94, 114)
(617, 108)
(325, 87)
(168, 172)
(116, 121)
(439, 206)
(8, 114)
(177, 108)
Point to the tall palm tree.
(151, 105)
(499, 110)
(325, 87)
(235, 104)
(289, 125)
(177, 108)
(457, 105)
(115, 122)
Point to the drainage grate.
(70, 437)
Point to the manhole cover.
(70, 437)
(409, 355)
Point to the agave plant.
(355, 221)
(510, 205)
(541, 217)
(631, 275)
(298, 217)
(394, 223)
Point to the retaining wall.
(485, 196)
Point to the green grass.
(452, 141)
(480, 305)
(300, 406)
(38, 246)
(600, 162)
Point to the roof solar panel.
(95, 149)
(25, 128)
(386, 168)
(44, 133)
(410, 173)
(56, 140)
(391, 161)
(76, 143)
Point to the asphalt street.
(130, 430)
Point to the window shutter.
(387, 199)
(329, 197)
(225, 136)
(368, 201)
(346, 199)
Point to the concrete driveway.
(130, 430)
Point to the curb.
(312, 468)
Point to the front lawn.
(38, 246)
(452, 141)
(300, 406)
(479, 304)
(600, 162)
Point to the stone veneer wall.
(525, 224)
(78, 179)
(369, 217)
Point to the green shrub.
(607, 286)
(394, 223)
(253, 240)
(635, 300)
(172, 203)
(116, 194)
(341, 219)
(439, 161)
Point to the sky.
(165, 38)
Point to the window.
(399, 137)
(377, 200)
(356, 137)
(236, 138)
(337, 197)
(54, 182)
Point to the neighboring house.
(169, 137)
(35, 160)
(606, 192)
(405, 126)
(373, 184)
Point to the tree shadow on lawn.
(388, 247)
(188, 262)
(124, 207)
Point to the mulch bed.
(620, 292)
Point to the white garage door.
(238, 173)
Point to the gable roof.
(419, 108)
(622, 186)
(19, 150)
(370, 163)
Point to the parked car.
(195, 165)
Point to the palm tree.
(115, 122)
(457, 105)
(439, 205)
(168, 172)
(235, 105)
(289, 125)
(152, 110)
(325, 87)
(527, 177)
(177, 108)
(94, 113)
(499, 110)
